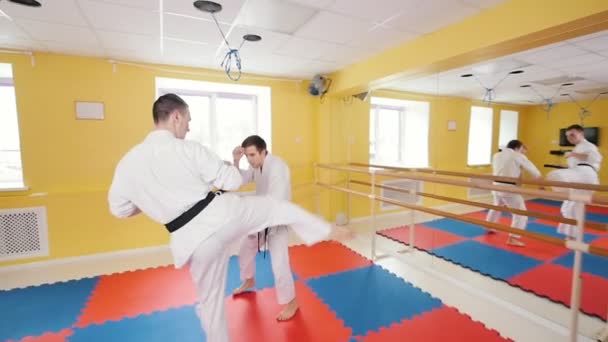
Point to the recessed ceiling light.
(30, 3)
(516, 72)
(208, 6)
(252, 38)
(564, 94)
(525, 86)
(567, 84)
(466, 75)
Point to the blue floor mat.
(552, 231)
(546, 202)
(591, 263)
(588, 216)
(494, 262)
(463, 229)
(32, 311)
(181, 324)
(371, 297)
(263, 275)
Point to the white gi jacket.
(147, 178)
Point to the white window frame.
(401, 107)
(213, 91)
(9, 82)
(502, 143)
(487, 159)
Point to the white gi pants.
(509, 200)
(209, 262)
(278, 246)
(577, 174)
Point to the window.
(11, 171)
(480, 136)
(508, 127)
(223, 114)
(399, 133)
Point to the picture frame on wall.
(89, 110)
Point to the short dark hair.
(575, 127)
(165, 105)
(515, 144)
(254, 140)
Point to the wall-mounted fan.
(319, 85)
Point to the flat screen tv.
(592, 134)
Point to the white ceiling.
(299, 37)
(582, 61)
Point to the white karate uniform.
(164, 176)
(508, 163)
(272, 179)
(577, 173)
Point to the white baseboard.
(50, 271)
(451, 207)
(84, 258)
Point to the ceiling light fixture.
(30, 3)
(212, 8)
(490, 93)
(585, 111)
(547, 102)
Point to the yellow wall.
(72, 161)
(489, 34)
(541, 132)
(447, 149)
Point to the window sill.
(15, 189)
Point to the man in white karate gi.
(170, 180)
(272, 177)
(583, 166)
(508, 163)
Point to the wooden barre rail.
(549, 239)
(559, 196)
(518, 181)
(560, 219)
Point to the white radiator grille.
(23, 233)
(400, 196)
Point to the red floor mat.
(597, 209)
(553, 281)
(543, 208)
(555, 224)
(534, 248)
(323, 259)
(134, 293)
(481, 215)
(445, 324)
(601, 242)
(252, 318)
(424, 237)
(50, 337)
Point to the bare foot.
(289, 310)
(247, 285)
(515, 242)
(340, 233)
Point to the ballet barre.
(581, 199)
(517, 181)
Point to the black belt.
(266, 243)
(583, 164)
(191, 213)
(511, 183)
